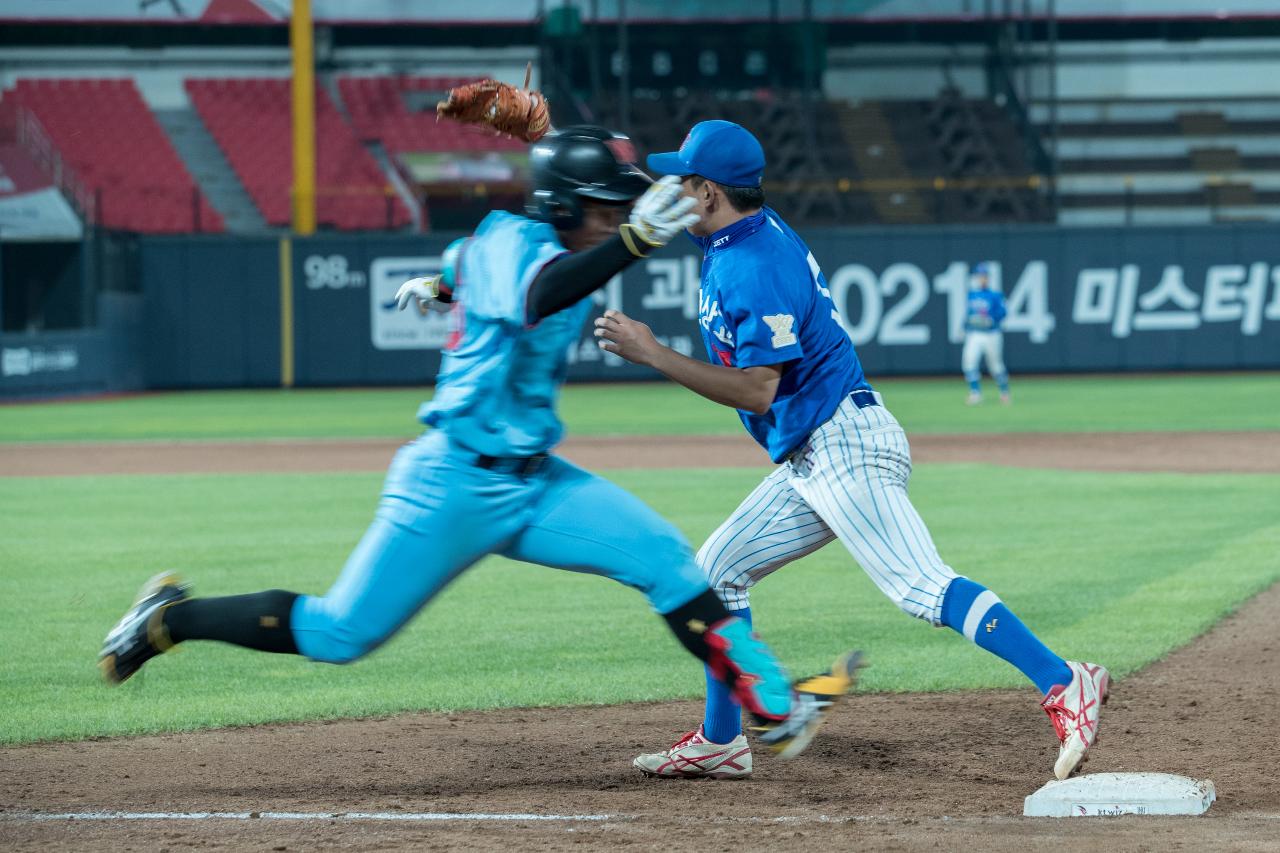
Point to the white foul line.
(402, 817)
(350, 816)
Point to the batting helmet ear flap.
(561, 209)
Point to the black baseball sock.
(690, 621)
(256, 621)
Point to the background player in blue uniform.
(780, 356)
(982, 335)
(481, 480)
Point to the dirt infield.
(889, 772)
(1193, 452)
(906, 772)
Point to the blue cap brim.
(668, 163)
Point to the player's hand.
(425, 292)
(619, 334)
(658, 216)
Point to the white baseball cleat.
(1073, 709)
(973, 399)
(693, 756)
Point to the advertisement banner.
(46, 363)
(1077, 299)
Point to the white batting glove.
(658, 216)
(425, 292)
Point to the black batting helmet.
(583, 161)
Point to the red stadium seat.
(115, 147)
(378, 112)
(251, 121)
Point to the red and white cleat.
(693, 756)
(1073, 709)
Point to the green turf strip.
(1118, 568)
(1086, 403)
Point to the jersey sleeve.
(763, 311)
(997, 308)
(500, 264)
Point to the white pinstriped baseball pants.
(979, 346)
(848, 481)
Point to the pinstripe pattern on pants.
(848, 481)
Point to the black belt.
(863, 397)
(521, 466)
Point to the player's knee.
(675, 584)
(337, 646)
(333, 639)
(339, 654)
(666, 573)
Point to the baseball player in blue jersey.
(982, 336)
(780, 356)
(482, 480)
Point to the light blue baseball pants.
(440, 513)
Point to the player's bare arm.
(751, 389)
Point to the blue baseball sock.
(722, 721)
(973, 378)
(1003, 381)
(973, 610)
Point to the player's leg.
(857, 482)
(970, 363)
(430, 525)
(993, 352)
(585, 523)
(769, 529)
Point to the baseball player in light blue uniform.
(780, 356)
(982, 336)
(482, 481)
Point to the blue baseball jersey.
(986, 310)
(500, 376)
(764, 301)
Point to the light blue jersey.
(443, 508)
(500, 378)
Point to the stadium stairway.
(419, 215)
(250, 120)
(875, 151)
(207, 164)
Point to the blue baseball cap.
(719, 151)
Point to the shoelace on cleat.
(687, 739)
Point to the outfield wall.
(222, 311)
(1079, 300)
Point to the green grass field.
(1119, 568)
(1069, 404)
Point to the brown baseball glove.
(508, 110)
